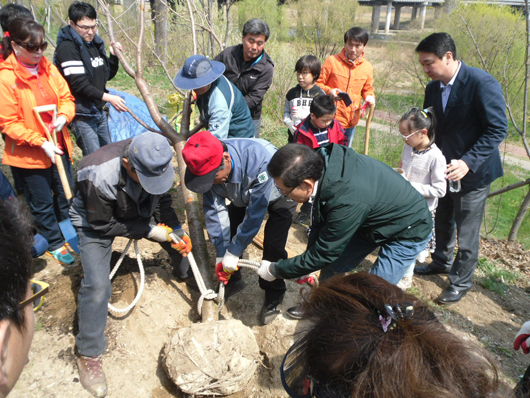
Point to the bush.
(321, 24)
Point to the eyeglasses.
(406, 137)
(303, 74)
(39, 290)
(85, 28)
(33, 48)
(283, 193)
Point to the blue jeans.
(47, 202)
(257, 127)
(350, 132)
(91, 132)
(94, 294)
(391, 264)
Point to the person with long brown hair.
(27, 80)
(367, 338)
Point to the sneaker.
(301, 218)
(405, 283)
(91, 375)
(270, 310)
(61, 255)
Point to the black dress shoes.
(296, 312)
(429, 270)
(450, 296)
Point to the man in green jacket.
(359, 204)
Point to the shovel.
(367, 135)
(67, 229)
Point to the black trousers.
(459, 215)
(277, 227)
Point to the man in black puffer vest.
(81, 58)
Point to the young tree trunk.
(519, 218)
(160, 21)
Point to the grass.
(494, 278)
(502, 209)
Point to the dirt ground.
(132, 361)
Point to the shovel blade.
(70, 234)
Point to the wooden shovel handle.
(58, 159)
(367, 135)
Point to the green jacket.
(358, 195)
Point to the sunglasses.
(33, 48)
(39, 289)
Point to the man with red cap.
(236, 169)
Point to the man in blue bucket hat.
(223, 109)
(121, 191)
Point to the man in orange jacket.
(349, 72)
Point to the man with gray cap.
(223, 109)
(121, 190)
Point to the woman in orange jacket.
(27, 80)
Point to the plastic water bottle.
(454, 186)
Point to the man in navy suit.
(470, 112)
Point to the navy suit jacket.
(473, 124)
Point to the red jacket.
(305, 134)
(355, 78)
(24, 134)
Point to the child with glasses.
(424, 166)
(299, 98)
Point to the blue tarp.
(122, 125)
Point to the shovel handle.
(58, 160)
(367, 135)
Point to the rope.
(209, 294)
(142, 276)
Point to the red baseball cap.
(203, 154)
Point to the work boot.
(270, 310)
(91, 375)
(61, 255)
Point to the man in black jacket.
(121, 191)
(81, 58)
(471, 123)
(249, 67)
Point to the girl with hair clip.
(367, 338)
(28, 80)
(424, 166)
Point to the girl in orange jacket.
(27, 80)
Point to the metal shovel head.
(70, 234)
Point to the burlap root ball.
(213, 358)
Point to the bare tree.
(178, 140)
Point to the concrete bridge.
(378, 6)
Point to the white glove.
(51, 150)
(522, 338)
(59, 123)
(218, 260)
(299, 112)
(264, 271)
(160, 233)
(371, 100)
(230, 262)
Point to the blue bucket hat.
(150, 154)
(198, 71)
